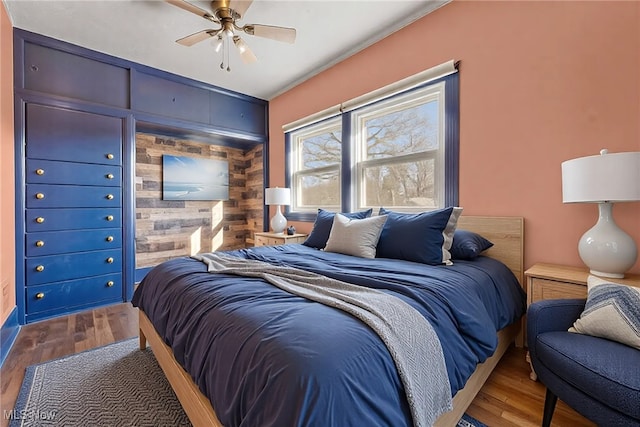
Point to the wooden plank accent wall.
(168, 229)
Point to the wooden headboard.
(507, 235)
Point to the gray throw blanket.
(410, 339)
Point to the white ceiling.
(145, 32)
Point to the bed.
(466, 376)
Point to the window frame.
(294, 170)
(450, 134)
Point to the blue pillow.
(415, 237)
(322, 227)
(468, 245)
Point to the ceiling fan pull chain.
(227, 53)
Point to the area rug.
(114, 385)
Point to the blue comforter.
(265, 357)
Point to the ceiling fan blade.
(245, 53)
(197, 37)
(281, 34)
(193, 9)
(240, 6)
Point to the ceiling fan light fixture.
(245, 53)
(217, 43)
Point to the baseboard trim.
(8, 334)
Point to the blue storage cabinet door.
(72, 196)
(61, 242)
(70, 173)
(60, 73)
(59, 134)
(61, 297)
(72, 219)
(55, 268)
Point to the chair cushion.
(605, 370)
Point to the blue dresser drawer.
(72, 196)
(55, 268)
(64, 296)
(60, 242)
(72, 219)
(59, 134)
(55, 172)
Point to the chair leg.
(549, 406)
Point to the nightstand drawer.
(268, 241)
(550, 289)
(271, 239)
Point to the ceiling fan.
(226, 13)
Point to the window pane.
(322, 150)
(406, 131)
(401, 185)
(319, 190)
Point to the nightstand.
(272, 239)
(551, 281)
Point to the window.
(398, 150)
(316, 154)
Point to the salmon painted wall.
(7, 189)
(540, 83)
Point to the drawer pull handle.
(110, 260)
(109, 176)
(109, 217)
(109, 196)
(110, 283)
(40, 268)
(109, 238)
(39, 195)
(39, 171)
(39, 243)
(40, 220)
(40, 295)
(110, 156)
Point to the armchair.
(598, 378)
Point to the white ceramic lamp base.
(606, 249)
(278, 222)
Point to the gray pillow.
(357, 237)
(611, 312)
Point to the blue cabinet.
(73, 244)
(65, 74)
(77, 112)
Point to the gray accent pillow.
(612, 311)
(357, 237)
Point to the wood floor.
(509, 398)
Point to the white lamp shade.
(277, 196)
(606, 177)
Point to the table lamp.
(605, 179)
(278, 197)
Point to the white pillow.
(447, 233)
(357, 237)
(612, 311)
